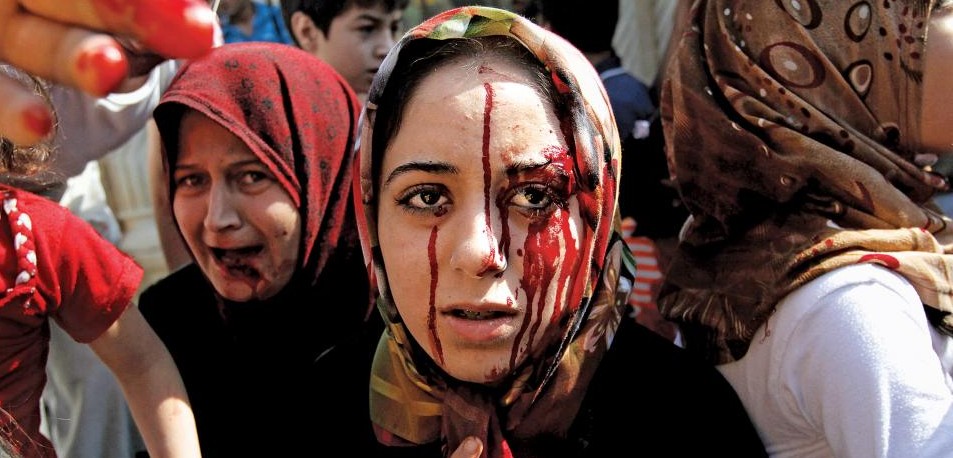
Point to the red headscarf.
(296, 114)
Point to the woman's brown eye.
(534, 196)
(425, 198)
(429, 198)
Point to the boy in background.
(351, 35)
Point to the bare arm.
(152, 385)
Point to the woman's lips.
(480, 324)
(238, 262)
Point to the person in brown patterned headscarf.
(814, 268)
(489, 173)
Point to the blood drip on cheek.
(432, 311)
(548, 245)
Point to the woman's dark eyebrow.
(429, 167)
(523, 166)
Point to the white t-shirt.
(848, 366)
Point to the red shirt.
(52, 265)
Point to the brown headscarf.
(791, 131)
(412, 401)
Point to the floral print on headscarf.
(410, 401)
(791, 130)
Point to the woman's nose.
(478, 251)
(221, 212)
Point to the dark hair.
(589, 25)
(322, 12)
(429, 56)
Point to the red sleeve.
(84, 279)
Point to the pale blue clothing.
(630, 100)
(267, 25)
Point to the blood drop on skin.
(37, 120)
(102, 67)
(180, 28)
(172, 28)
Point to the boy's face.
(357, 42)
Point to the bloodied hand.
(70, 43)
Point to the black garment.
(645, 192)
(649, 398)
(268, 381)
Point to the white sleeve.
(864, 371)
(90, 127)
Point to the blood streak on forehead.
(559, 157)
(548, 243)
(487, 174)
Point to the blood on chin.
(488, 371)
(242, 283)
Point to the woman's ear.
(305, 32)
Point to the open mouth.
(238, 261)
(475, 315)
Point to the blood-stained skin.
(550, 241)
(37, 120)
(104, 65)
(179, 28)
(432, 312)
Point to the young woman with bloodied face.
(489, 169)
(267, 325)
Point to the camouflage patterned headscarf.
(791, 129)
(411, 400)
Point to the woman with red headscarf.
(266, 324)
